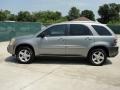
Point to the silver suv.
(92, 40)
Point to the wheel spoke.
(22, 58)
(95, 54)
(26, 59)
(94, 59)
(27, 55)
(101, 57)
(25, 51)
(21, 53)
(99, 53)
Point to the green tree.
(88, 14)
(7, 14)
(24, 16)
(58, 15)
(119, 7)
(73, 13)
(12, 17)
(2, 16)
(48, 17)
(109, 12)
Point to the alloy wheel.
(24, 55)
(98, 57)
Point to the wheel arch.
(28, 45)
(101, 47)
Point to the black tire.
(96, 60)
(26, 60)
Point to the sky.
(54, 5)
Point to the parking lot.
(57, 73)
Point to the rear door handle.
(60, 38)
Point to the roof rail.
(83, 21)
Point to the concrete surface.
(53, 73)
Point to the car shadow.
(56, 60)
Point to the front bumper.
(113, 51)
(10, 49)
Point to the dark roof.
(81, 19)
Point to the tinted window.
(101, 30)
(76, 29)
(58, 30)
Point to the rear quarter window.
(101, 30)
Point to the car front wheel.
(97, 57)
(24, 55)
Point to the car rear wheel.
(97, 57)
(24, 55)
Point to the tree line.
(109, 13)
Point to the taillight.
(115, 41)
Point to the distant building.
(81, 19)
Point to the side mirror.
(42, 35)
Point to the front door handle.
(61, 39)
(88, 38)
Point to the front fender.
(30, 42)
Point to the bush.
(115, 28)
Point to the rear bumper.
(113, 51)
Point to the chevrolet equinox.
(88, 39)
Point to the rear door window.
(79, 30)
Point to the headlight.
(12, 41)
